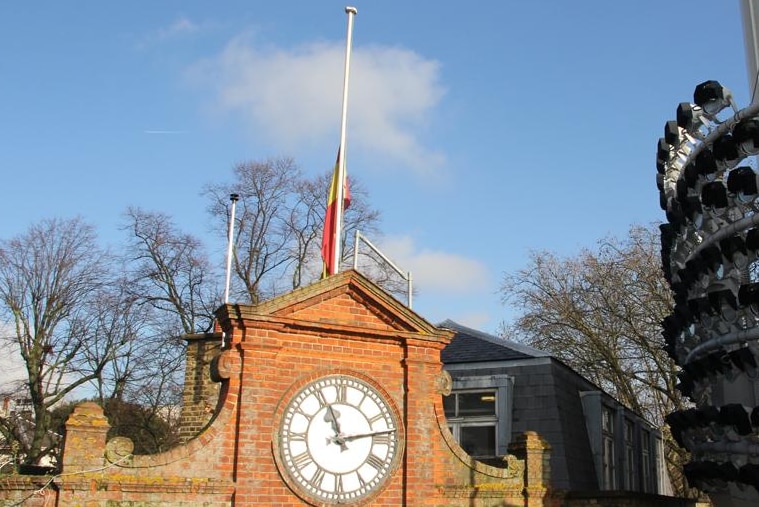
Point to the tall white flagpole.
(340, 197)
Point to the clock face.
(339, 439)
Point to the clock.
(339, 440)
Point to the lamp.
(696, 266)
(717, 363)
(704, 474)
(748, 295)
(674, 213)
(672, 327)
(727, 472)
(712, 257)
(755, 416)
(712, 97)
(685, 384)
(672, 133)
(661, 163)
(746, 135)
(681, 190)
(691, 209)
(742, 181)
(667, 236)
(683, 314)
(744, 360)
(699, 307)
(694, 370)
(725, 149)
(752, 240)
(736, 416)
(706, 163)
(714, 195)
(687, 276)
(662, 154)
(690, 174)
(749, 474)
(722, 295)
(710, 414)
(689, 117)
(732, 248)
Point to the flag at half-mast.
(339, 195)
(330, 238)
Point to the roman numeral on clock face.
(296, 437)
(342, 393)
(375, 462)
(318, 477)
(302, 460)
(381, 439)
(376, 418)
(319, 395)
(339, 488)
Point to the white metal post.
(230, 242)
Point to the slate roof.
(471, 346)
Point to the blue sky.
(482, 132)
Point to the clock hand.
(332, 416)
(348, 438)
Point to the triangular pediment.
(347, 300)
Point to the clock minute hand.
(354, 436)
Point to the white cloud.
(293, 96)
(437, 271)
(475, 319)
(180, 27)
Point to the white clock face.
(339, 439)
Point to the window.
(479, 414)
(607, 438)
(646, 461)
(629, 455)
(472, 418)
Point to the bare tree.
(50, 280)
(600, 312)
(171, 282)
(170, 271)
(278, 225)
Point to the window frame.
(608, 448)
(502, 386)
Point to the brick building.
(332, 394)
(597, 444)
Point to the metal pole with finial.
(230, 242)
(340, 197)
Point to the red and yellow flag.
(329, 238)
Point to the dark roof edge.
(517, 347)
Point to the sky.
(482, 131)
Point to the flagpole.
(351, 11)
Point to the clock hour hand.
(332, 416)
